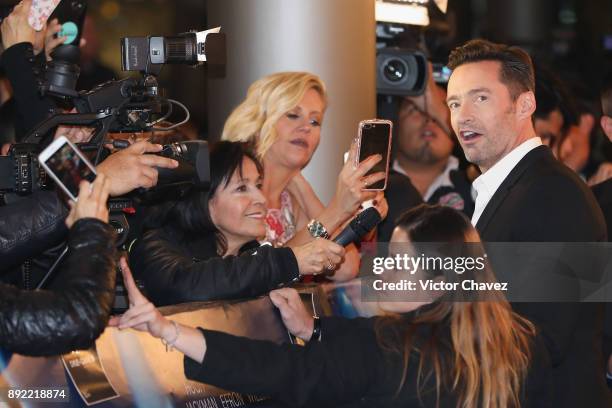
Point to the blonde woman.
(447, 353)
(282, 116)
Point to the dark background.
(574, 37)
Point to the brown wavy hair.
(486, 361)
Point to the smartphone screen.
(71, 15)
(375, 139)
(69, 169)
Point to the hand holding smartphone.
(71, 15)
(375, 138)
(67, 165)
(39, 13)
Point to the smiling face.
(298, 133)
(483, 114)
(238, 210)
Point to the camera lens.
(395, 70)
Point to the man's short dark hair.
(606, 96)
(516, 67)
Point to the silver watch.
(317, 230)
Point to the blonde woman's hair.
(267, 100)
(486, 361)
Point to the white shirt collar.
(443, 179)
(396, 167)
(487, 183)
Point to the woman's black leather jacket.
(75, 312)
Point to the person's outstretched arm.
(328, 373)
(52, 322)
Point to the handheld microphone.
(363, 223)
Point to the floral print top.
(280, 222)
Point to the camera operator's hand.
(295, 316)
(76, 134)
(15, 28)
(131, 168)
(91, 202)
(317, 255)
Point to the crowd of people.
(498, 155)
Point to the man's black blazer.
(542, 200)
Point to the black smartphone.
(71, 15)
(375, 138)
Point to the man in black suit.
(525, 195)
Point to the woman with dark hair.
(190, 249)
(446, 352)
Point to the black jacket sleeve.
(350, 368)
(170, 276)
(335, 326)
(321, 374)
(30, 226)
(45, 322)
(23, 70)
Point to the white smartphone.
(375, 138)
(67, 165)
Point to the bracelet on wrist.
(170, 343)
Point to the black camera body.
(400, 72)
(143, 54)
(20, 171)
(127, 105)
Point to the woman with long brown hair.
(452, 349)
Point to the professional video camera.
(127, 105)
(136, 105)
(20, 171)
(401, 72)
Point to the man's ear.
(606, 125)
(526, 104)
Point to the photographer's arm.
(30, 226)
(75, 312)
(52, 322)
